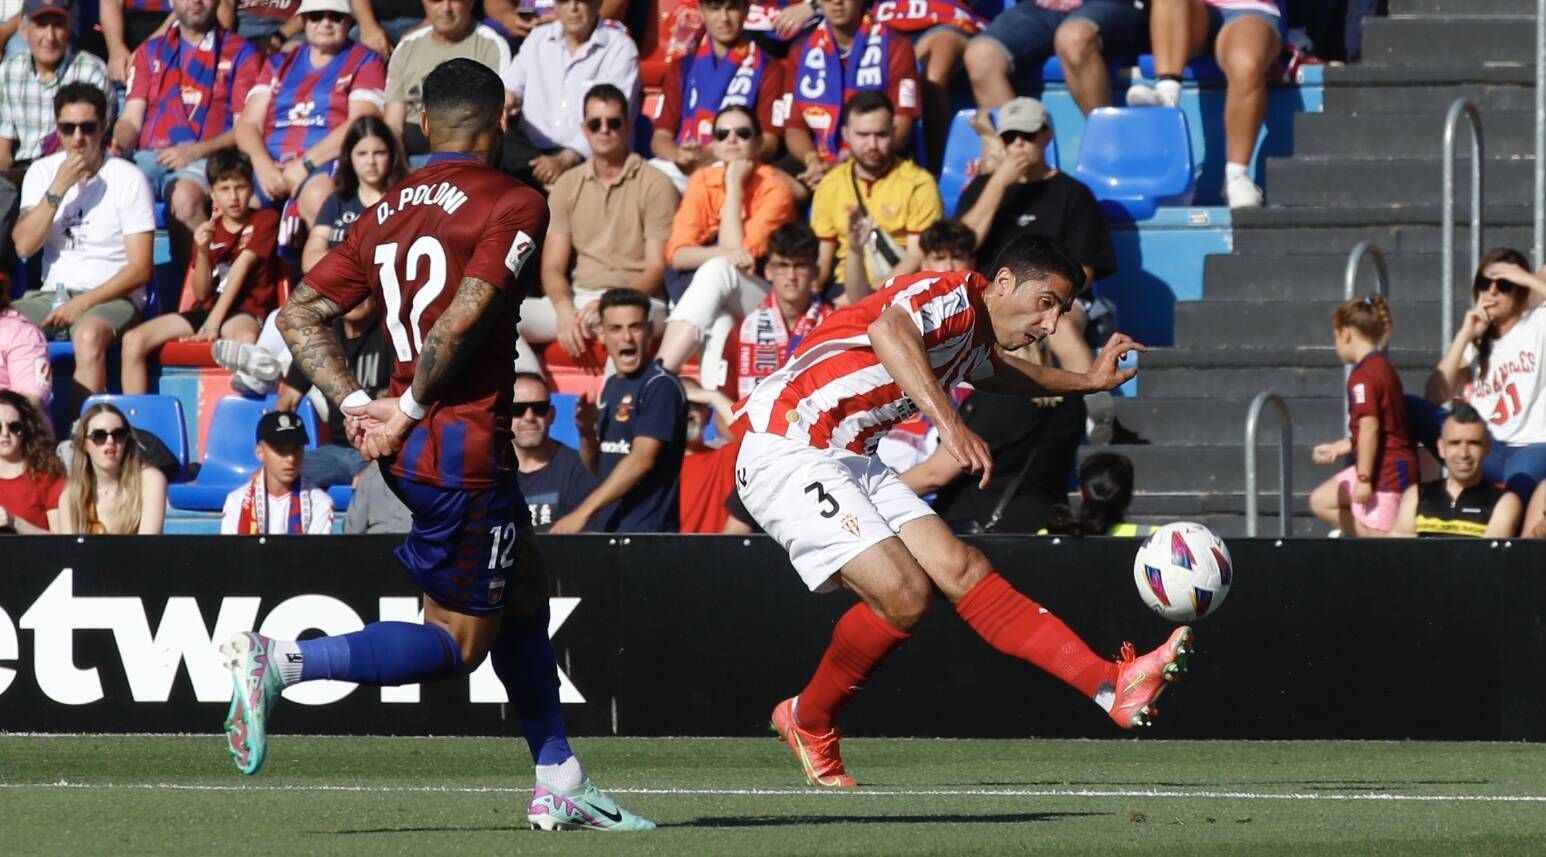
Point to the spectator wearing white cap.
(276, 501)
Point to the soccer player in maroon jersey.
(808, 474)
(441, 254)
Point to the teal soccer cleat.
(585, 808)
(256, 687)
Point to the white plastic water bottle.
(60, 297)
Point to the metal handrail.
(1350, 289)
(1285, 463)
(1538, 245)
(1460, 107)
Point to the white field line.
(1169, 794)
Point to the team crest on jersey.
(496, 590)
(624, 409)
(850, 523)
(792, 417)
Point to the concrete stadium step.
(1462, 7)
(1212, 419)
(1240, 277)
(1416, 95)
(1288, 325)
(1352, 183)
(1409, 229)
(1418, 135)
(1182, 469)
(1449, 40)
(1238, 374)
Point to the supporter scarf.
(709, 85)
(761, 16)
(766, 342)
(916, 15)
(821, 86)
(253, 519)
(179, 125)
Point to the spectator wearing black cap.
(276, 501)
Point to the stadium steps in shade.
(1367, 167)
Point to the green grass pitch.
(84, 795)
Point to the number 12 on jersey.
(428, 249)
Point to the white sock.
(1105, 697)
(564, 776)
(286, 655)
(1232, 170)
(1170, 90)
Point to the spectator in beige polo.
(453, 32)
(610, 220)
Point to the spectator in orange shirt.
(722, 249)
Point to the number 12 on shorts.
(501, 535)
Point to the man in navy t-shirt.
(552, 477)
(635, 436)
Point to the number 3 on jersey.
(428, 249)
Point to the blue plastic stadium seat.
(59, 349)
(1052, 70)
(341, 495)
(962, 147)
(160, 215)
(563, 429)
(228, 452)
(162, 416)
(1200, 68)
(1132, 181)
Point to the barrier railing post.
(1538, 246)
(1285, 463)
(1460, 107)
(1350, 287)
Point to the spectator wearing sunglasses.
(295, 118)
(112, 490)
(552, 477)
(611, 218)
(92, 217)
(452, 32)
(1494, 364)
(725, 69)
(551, 77)
(31, 475)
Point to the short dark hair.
(465, 87)
(707, 3)
(1465, 414)
(624, 297)
(1035, 257)
(866, 101)
(795, 240)
(80, 92)
(744, 111)
(228, 163)
(533, 376)
(605, 93)
(951, 237)
(346, 182)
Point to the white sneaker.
(1241, 192)
(1144, 95)
(243, 357)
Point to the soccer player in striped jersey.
(441, 253)
(808, 474)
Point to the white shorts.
(824, 506)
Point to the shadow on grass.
(1233, 785)
(460, 828)
(951, 818)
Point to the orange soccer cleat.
(1140, 681)
(818, 754)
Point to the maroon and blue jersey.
(306, 102)
(191, 92)
(157, 6)
(454, 218)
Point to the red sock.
(860, 642)
(1018, 626)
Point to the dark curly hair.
(37, 442)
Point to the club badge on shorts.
(850, 523)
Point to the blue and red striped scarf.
(204, 77)
(252, 520)
(710, 84)
(821, 84)
(915, 15)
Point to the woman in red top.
(1363, 499)
(31, 475)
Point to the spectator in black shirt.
(552, 477)
(373, 163)
(1464, 503)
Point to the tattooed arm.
(306, 320)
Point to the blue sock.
(524, 661)
(383, 653)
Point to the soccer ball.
(1183, 571)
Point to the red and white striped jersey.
(835, 394)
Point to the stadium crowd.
(779, 173)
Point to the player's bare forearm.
(1021, 378)
(899, 346)
(454, 337)
(623, 477)
(306, 322)
(1368, 445)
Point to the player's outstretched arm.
(306, 321)
(1017, 377)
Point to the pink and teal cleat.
(585, 808)
(256, 688)
(1141, 680)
